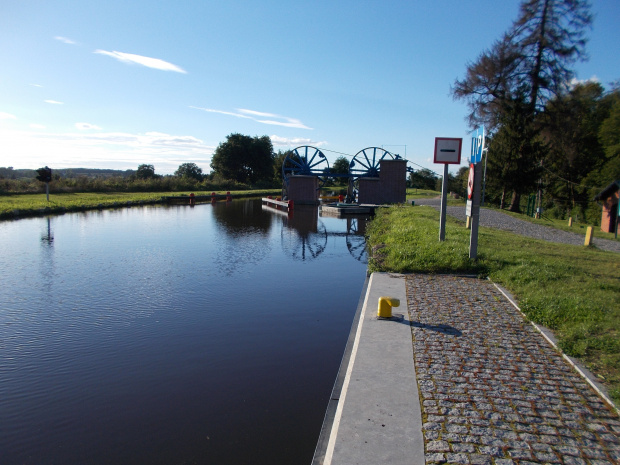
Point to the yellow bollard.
(588, 236)
(385, 306)
(468, 224)
(570, 221)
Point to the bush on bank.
(118, 184)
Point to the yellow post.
(570, 221)
(588, 236)
(385, 306)
(468, 224)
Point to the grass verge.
(572, 290)
(16, 206)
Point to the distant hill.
(10, 173)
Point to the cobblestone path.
(492, 389)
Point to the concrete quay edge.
(377, 379)
(370, 417)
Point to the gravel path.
(499, 220)
(492, 389)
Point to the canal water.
(173, 335)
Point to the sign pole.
(475, 211)
(444, 200)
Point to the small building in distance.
(609, 198)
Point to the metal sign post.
(475, 211)
(477, 148)
(448, 152)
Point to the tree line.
(240, 162)
(548, 135)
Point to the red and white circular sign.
(470, 182)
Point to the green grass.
(421, 194)
(572, 290)
(32, 204)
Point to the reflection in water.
(356, 241)
(162, 335)
(47, 238)
(242, 231)
(241, 217)
(304, 236)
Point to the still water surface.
(173, 335)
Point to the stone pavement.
(459, 377)
(492, 388)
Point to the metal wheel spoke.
(367, 162)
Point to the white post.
(444, 200)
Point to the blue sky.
(116, 84)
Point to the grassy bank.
(572, 290)
(16, 206)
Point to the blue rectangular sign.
(477, 145)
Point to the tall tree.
(609, 138)
(523, 70)
(489, 81)
(514, 155)
(245, 159)
(423, 179)
(189, 170)
(550, 35)
(340, 166)
(145, 172)
(278, 161)
(571, 125)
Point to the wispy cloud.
(86, 126)
(4, 115)
(258, 116)
(65, 40)
(37, 126)
(54, 102)
(278, 141)
(103, 150)
(36, 85)
(149, 62)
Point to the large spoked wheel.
(366, 162)
(305, 161)
(356, 243)
(304, 245)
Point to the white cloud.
(277, 120)
(65, 40)
(54, 102)
(36, 126)
(7, 116)
(36, 85)
(278, 141)
(257, 113)
(117, 150)
(86, 126)
(154, 63)
(221, 112)
(575, 82)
